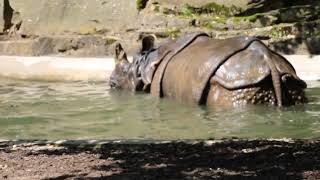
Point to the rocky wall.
(79, 16)
(239, 3)
(90, 27)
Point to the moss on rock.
(210, 8)
(110, 40)
(252, 18)
(175, 32)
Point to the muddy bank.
(222, 159)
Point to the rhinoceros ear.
(120, 54)
(148, 43)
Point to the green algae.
(174, 32)
(209, 9)
(214, 23)
(110, 40)
(279, 32)
(252, 18)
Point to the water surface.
(82, 110)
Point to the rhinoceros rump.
(196, 69)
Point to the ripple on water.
(81, 110)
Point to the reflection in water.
(39, 110)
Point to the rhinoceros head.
(127, 75)
(119, 77)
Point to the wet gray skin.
(196, 69)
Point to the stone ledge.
(99, 69)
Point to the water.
(82, 110)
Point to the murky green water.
(38, 110)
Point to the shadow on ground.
(230, 159)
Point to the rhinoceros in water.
(196, 69)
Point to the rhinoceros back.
(187, 75)
(166, 53)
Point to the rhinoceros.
(197, 69)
